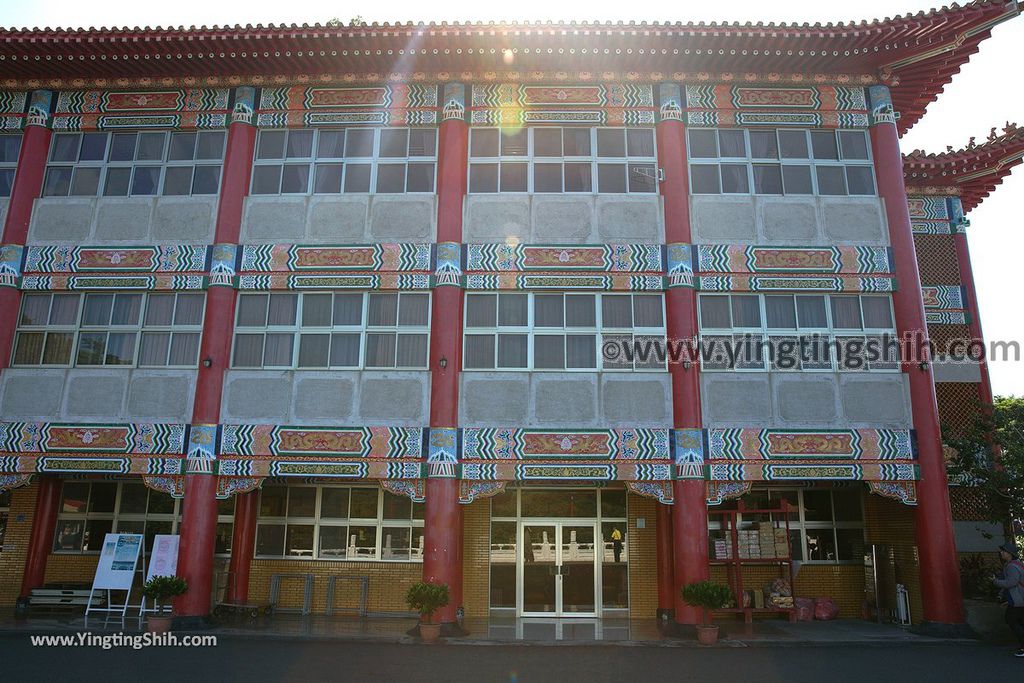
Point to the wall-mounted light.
(443, 362)
(686, 365)
(922, 366)
(207, 362)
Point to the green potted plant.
(426, 598)
(160, 589)
(708, 596)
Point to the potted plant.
(426, 598)
(160, 589)
(707, 595)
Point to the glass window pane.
(576, 142)
(611, 178)
(334, 502)
(101, 497)
(133, 498)
(364, 503)
(396, 507)
(120, 349)
(382, 310)
(414, 310)
(512, 310)
(64, 147)
(94, 147)
(613, 503)
(581, 351)
(849, 545)
(357, 177)
(514, 177)
(189, 309)
(823, 142)
(95, 531)
(611, 142)
(266, 179)
(821, 545)
(211, 145)
(577, 177)
(793, 144)
(746, 310)
(294, 178)
(854, 144)
(734, 179)
(380, 350)
(549, 352)
(391, 178)
(811, 311)
(97, 309)
(300, 144)
(422, 142)
(154, 347)
(647, 310)
(28, 348)
(704, 179)
(122, 146)
(411, 351)
(277, 350)
(580, 310)
(767, 179)
(642, 178)
(91, 348)
(483, 142)
(151, 147)
(86, 182)
(512, 351)
(419, 178)
(797, 179)
(313, 350)
(481, 310)
(271, 144)
(479, 351)
(547, 178)
(58, 182)
(731, 143)
(58, 348)
(547, 310)
(35, 309)
(860, 180)
(547, 142)
(702, 144)
(333, 542)
(248, 351)
(178, 181)
(331, 144)
(877, 311)
(763, 144)
(252, 310)
(394, 142)
(780, 312)
(513, 142)
(348, 309)
(74, 497)
(184, 349)
(616, 310)
(817, 505)
(117, 182)
(282, 309)
(64, 309)
(316, 310)
(301, 501)
(358, 143)
(830, 180)
(846, 312)
(270, 540)
(640, 142)
(127, 308)
(10, 148)
(483, 177)
(714, 312)
(272, 501)
(847, 505)
(344, 350)
(145, 180)
(394, 543)
(6, 181)
(206, 180)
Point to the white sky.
(984, 94)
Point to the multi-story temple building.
(366, 301)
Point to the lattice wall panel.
(943, 335)
(936, 259)
(968, 504)
(958, 402)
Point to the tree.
(989, 454)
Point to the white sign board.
(118, 559)
(163, 561)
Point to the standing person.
(1012, 584)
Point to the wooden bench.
(63, 598)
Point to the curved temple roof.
(917, 54)
(974, 171)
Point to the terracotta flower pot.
(430, 632)
(707, 635)
(159, 624)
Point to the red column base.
(198, 540)
(689, 543)
(442, 532)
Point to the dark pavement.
(251, 660)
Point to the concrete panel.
(636, 400)
(496, 217)
(274, 219)
(338, 219)
(123, 219)
(742, 399)
(323, 396)
(61, 219)
(723, 219)
(853, 220)
(191, 220)
(876, 400)
(31, 394)
(806, 399)
(945, 370)
(398, 398)
(161, 395)
(785, 219)
(562, 219)
(402, 217)
(564, 399)
(3, 209)
(977, 537)
(257, 396)
(630, 219)
(96, 393)
(494, 399)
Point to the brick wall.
(643, 559)
(476, 539)
(19, 529)
(892, 523)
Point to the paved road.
(304, 661)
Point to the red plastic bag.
(804, 609)
(825, 609)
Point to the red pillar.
(243, 544)
(199, 511)
(28, 184)
(41, 541)
(940, 574)
(689, 511)
(666, 584)
(442, 527)
(963, 258)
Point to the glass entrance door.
(559, 569)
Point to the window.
(136, 164)
(583, 160)
(798, 332)
(338, 523)
(825, 525)
(99, 328)
(5, 510)
(379, 160)
(90, 510)
(776, 162)
(10, 147)
(556, 331)
(332, 330)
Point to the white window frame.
(531, 330)
(79, 328)
(763, 333)
(530, 160)
(363, 329)
(318, 522)
(106, 165)
(810, 162)
(9, 167)
(374, 161)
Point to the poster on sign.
(163, 560)
(118, 559)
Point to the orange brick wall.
(643, 559)
(19, 529)
(476, 541)
(892, 523)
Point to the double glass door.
(558, 561)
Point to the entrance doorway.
(559, 553)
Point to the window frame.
(9, 168)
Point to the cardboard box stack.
(723, 549)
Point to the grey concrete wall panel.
(402, 218)
(496, 217)
(568, 399)
(257, 396)
(96, 394)
(494, 399)
(123, 219)
(809, 400)
(736, 399)
(31, 394)
(61, 219)
(636, 400)
(630, 219)
(396, 398)
(562, 219)
(852, 220)
(338, 219)
(324, 397)
(944, 370)
(161, 395)
(717, 219)
(188, 220)
(879, 400)
(271, 219)
(789, 219)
